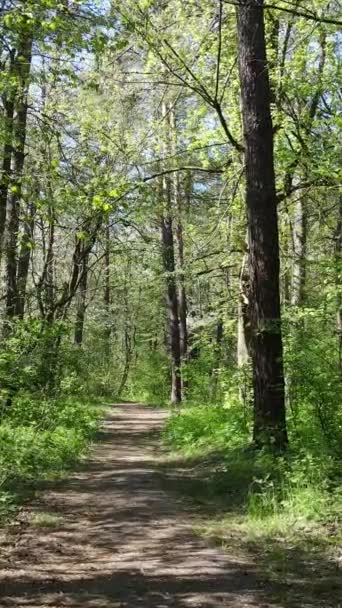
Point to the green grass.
(40, 439)
(285, 512)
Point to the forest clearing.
(170, 303)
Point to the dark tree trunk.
(22, 72)
(169, 267)
(107, 291)
(81, 303)
(263, 238)
(8, 102)
(338, 265)
(172, 306)
(182, 304)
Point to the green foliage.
(46, 422)
(206, 427)
(149, 380)
(267, 495)
(40, 438)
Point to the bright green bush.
(206, 426)
(40, 438)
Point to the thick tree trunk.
(263, 238)
(22, 71)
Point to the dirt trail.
(122, 539)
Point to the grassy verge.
(284, 513)
(41, 439)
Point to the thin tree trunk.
(8, 102)
(169, 268)
(243, 324)
(46, 279)
(182, 301)
(299, 225)
(299, 230)
(171, 305)
(217, 359)
(128, 359)
(107, 291)
(263, 238)
(22, 70)
(81, 303)
(24, 260)
(338, 265)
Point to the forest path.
(120, 537)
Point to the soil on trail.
(121, 538)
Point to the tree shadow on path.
(122, 537)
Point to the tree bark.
(8, 102)
(182, 300)
(22, 72)
(169, 267)
(81, 303)
(24, 260)
(338, 265)
(299, 238)
(216, 359)
(243, 324)
(263, 238)
(107, 291)
(168, 258)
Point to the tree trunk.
(24, 260)
(168, 258)
(81, 303)
(263, 238)
(243, 324)
(217, 359)
(338, 265)
(8, 102)
(182, 302)
(169, 268)
(299, 233)
(22, 71)
(107, 291)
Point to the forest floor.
(119, 533)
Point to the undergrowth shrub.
(149, 379)
(39, 438)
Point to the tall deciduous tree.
(263, 238)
